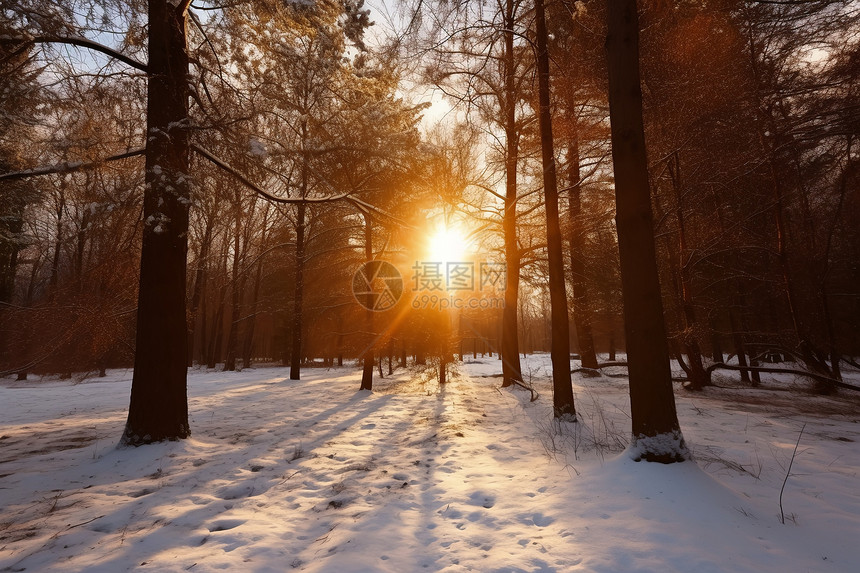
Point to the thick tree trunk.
(656, 432)
(158, 409)
(560, 348)
(510, 351)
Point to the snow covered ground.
(317, 476)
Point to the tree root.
(525, 386)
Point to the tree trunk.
(581, 303)
(510, 351)
(235, 291)
(197, 292)
(560, 350)
(217, 330)
(10, 248)
(248, 345)
(58, 245)
(656, 433)
(697, 376)
(158, 409)
(390, 356)
(716, 343)
(298, 293)
(367, 358)
(612, 345)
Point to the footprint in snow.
(483, 499)
(225, 525)
(537, 519)
(237, 491)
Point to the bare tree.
(656, 433)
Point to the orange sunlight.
(448, 244)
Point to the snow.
(314, 475)
(257, 148)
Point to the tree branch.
(68, 167)
(24, 43)
(247, 182)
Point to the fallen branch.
(522, 384)
(608, 364)
(788, 473)
(721, 366)
(597, 372)
(84, 522)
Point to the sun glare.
(447, 245)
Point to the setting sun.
(447, 245)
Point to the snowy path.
(316, 476)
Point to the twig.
(85, 522)
(534, 394)
(787, 473)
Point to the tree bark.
(510, 351)
(696, 374)
(197, 292)
(560, 343)
(298, 293)
(367, 358)
(235, 289)
(216, 343)
(248, 345)
(158, 409)
(581, 303)
(716, 342)
(656, 433)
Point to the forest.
(422, 285)
(195, 183)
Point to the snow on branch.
(68, 166)
(23, 43)
(248, 183)
(362, 206)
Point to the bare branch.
(247, 182)
(24, 43)
(68, 166)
